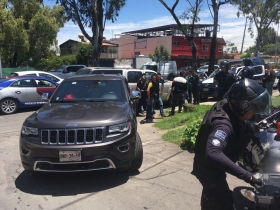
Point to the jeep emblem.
(71, 125)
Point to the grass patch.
(176, 124)
(276, 101)
(183, 118)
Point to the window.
(44, 83)
(133, 76)
(205, 48)
(176, 43)
(23, 83)
(220, 48)
(49, 77)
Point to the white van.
(167, 70)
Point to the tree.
(160, 55)
(260, 12)
(192, 15)
(92, 14)
(30, 30)
(215, 6)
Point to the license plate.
(74, 155)
(205, 89)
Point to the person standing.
(151, 95)
(158, 98)
(222, 138)
(179, 88)
(224, 79)
(189, 87)
(269, 78)
(194, 80)
(142, 86)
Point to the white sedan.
(37, 73)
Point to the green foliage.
(189, 135)
(262, 18)
(245, 55)
(84, 54)
(92, 14)
(161, 54)
(55, 62)
(28, 31)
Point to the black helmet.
(248, 95)
(247, 62)
(224, 64)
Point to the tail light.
(278, 128)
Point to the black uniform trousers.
(196, 96)
(177, 98)
(216, 194)
(141, 102)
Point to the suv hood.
(208, 81)
(88, 114)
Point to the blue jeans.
(150, 108)
(269, 87)
(158, 99)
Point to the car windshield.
(60, 69)
(214, 73)
(89, 90)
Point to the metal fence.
(8, 71)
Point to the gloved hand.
(254, 181)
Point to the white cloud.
(231, 27)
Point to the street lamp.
(243, 36)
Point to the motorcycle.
(263, 158)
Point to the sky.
(141, 14)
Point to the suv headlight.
(29, 131)
(120, 127)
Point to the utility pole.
(241, 51)
(276, 46)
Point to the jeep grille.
(72, 136)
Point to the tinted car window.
(133, 76)
(49, 77)
(23, 83)
(106, 71)
(13, 74)
(83, 71)
(44, 83)
(90, 90)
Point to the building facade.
(144, 42)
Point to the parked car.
(23, 92)
(205, 68)
(66, 71)
(37, 73)
(89, 123)
(209, 89)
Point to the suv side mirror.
(45, 97)
(135, 95)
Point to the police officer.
(222, 138)
(194, 80)
(224, 79)
(142, 86)
(179, 88)
(247, 71)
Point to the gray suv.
(66, 71)
(89, 123)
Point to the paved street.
(164, 181)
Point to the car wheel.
(8, 106)
(138, 155)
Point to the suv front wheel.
(138, 155)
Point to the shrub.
(189, 135)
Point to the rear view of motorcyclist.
(221, 140)
(248, 71)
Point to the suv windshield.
(60, 69)
(214, 73)
(89, 90)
